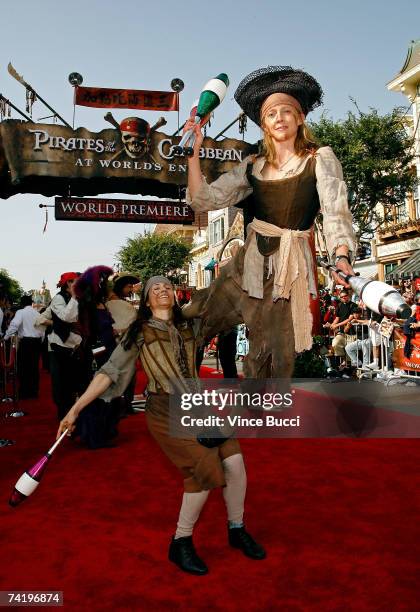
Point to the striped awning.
(410, 268)
(211, 265)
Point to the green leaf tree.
(10, 287)
(377, 158)
(154, 254)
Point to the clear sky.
(353, 48)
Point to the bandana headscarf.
(279, 98)
(154, 280)
(67, 276)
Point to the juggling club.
(378, 296)
(211, 96)
(30, 479)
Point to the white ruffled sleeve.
(229, 189)
(332, 191)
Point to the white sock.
(235, 489)
(192, 504)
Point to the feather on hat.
(92, 282)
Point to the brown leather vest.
(158, 359)
(289, 202)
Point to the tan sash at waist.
(293, 274)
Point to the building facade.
(397, 247)
(208, 248)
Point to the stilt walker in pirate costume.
(268, 283)
(165, 344)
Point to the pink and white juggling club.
(30, 479)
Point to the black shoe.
(239, 538)
(182, 553)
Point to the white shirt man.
(22, 324)
(29, 348)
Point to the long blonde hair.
(305, 141)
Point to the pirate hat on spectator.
(124, 278)
(92, 283)
(257, 86)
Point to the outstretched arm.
(195, 178)
(337, 219)
(14, 325)
(229, 189)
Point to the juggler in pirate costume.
(267, 285)
(165, 344)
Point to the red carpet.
(340, 520)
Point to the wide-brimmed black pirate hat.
(257, 86)
(122, 279)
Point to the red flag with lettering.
(101, 97)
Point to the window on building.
(389, 267)
(401, 213)
(417, 206)
(217, 232)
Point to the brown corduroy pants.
(201, 467)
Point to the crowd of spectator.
(352, 332)
(79, 328)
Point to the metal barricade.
(386, 360)
(362, 350)
(378, 352)
(393, 365)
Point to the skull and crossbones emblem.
(136, 135)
